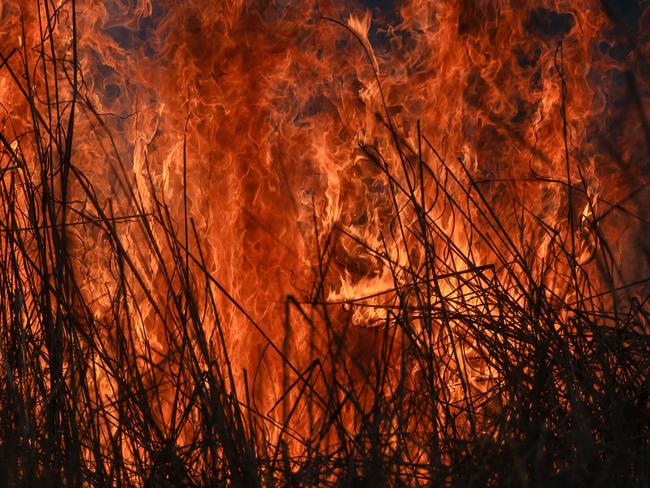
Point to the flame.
(274, 129)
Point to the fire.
(422, 162)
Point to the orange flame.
(272, 130)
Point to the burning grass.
(478, 356)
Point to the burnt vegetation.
(516, 372)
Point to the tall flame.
(269, 130)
